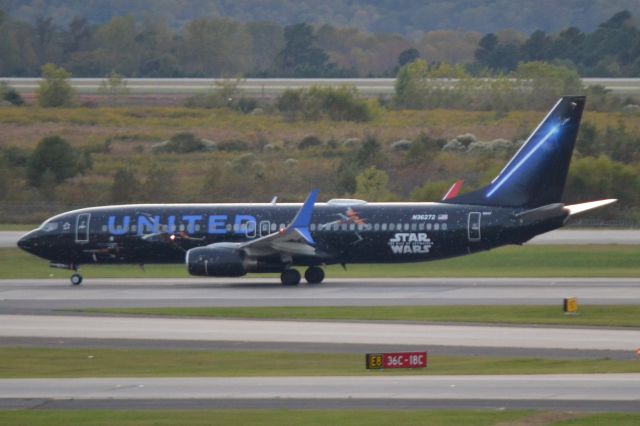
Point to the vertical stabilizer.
(537, 173)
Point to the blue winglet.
(303, 218)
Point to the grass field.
(49, 363)
(311, 417)
(589, 315)
(261, 417)
(526, 261)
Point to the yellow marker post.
(570, 306)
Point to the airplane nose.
(27, 241)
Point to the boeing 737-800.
(229, 240)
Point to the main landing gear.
(291, 277)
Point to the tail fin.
(536, 175)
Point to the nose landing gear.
(76, 279)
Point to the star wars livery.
(230, 240)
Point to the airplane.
(230, 240)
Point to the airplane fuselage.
(355, 233)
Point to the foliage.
(114, 86)
(54, 90)
(371, 185)
(182, 143)
(53, 161)
(125, 187)
(10, 94)
(338, 104)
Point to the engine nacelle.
(217, 260)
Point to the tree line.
(222, 47)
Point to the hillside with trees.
(220, 47)
(408, 17)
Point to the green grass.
(17, 227)
(57, 362)
(589, 315)
(527, 261)
(262, 417)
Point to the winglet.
(453, 191)
(302, 220)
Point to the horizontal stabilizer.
(454, 190)
(583, 207)
(542, 213)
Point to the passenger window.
(428, 227)
(352, 227)
(406, 226)
(421, 226)
(376, 226)
(414, 226)
(343, 227)
(392, 226)
(436, 226)
(444, 227)
(384, 226)
(399, 227)
(312, 227)
(360, 227)
(274, 227)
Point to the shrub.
(54, 90)
(309, 142)
(338, 104)
(10, 94)
(233, 145)
(182, 143)
(53, 157)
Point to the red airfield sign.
(382, 361)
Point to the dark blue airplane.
(229, 240)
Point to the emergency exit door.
(474, 226)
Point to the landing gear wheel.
(314, 275)
(76, 279)
(290, 277)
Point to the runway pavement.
(560, 236)
(43, 296)
(599, 389)
(333, 332)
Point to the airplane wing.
(295, 239)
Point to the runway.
(332, 332)
(587, 387)
(34, 296)
(557, 237)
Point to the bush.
(183, 143)
(53, 157)
(338, 104)
(233, 145)
(10, 94)
(309, 142)
(54, 90)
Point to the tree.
(55, 156)
(549, 82)
(300, 58)
(114, 86)
(54, 90)
(10, 94)
(125, 187)
(411, 86)
(371, 184)
(407, 56)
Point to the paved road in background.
(275, 86)
(561, 236)
(34, 296)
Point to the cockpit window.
(50, 226)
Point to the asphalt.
(333, 332)
(560, 236)
(33, 296)
(554, 388)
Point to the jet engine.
(227, 260)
